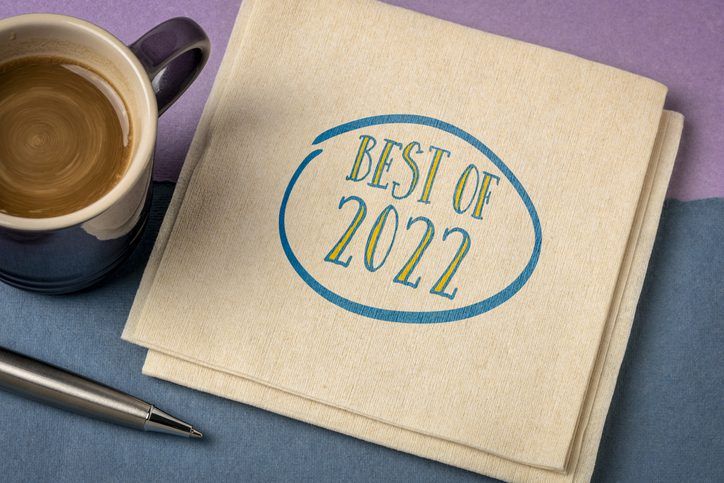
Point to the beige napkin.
(516, 389)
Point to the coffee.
(65, 137)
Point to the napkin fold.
(507, 366)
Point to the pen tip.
(196, 434)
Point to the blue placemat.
(666, 421)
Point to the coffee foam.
(65, 137)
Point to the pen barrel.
(38, 380)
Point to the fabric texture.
(245, 390)
(567, 440)
(665, 422)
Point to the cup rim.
(140, 159)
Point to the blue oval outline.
(403, 316)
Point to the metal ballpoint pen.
(37, 380)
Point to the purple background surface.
(677, 42)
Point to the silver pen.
(37, 380)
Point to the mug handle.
(173, 54)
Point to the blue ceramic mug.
(73, 251)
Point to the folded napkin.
(411, 232)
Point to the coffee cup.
(71, 251)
